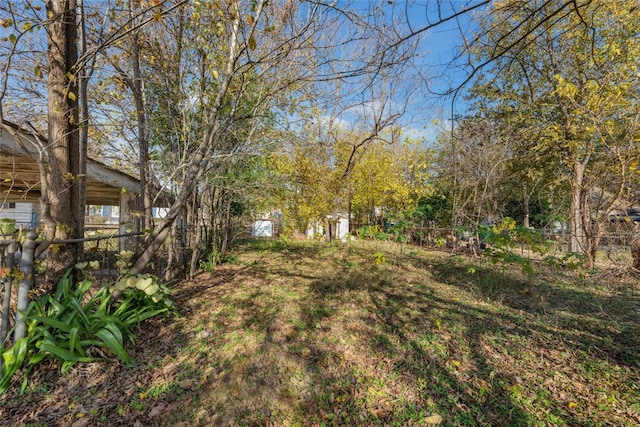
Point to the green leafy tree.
(572, 84)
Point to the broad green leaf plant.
(75, 325)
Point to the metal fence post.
(7, 261)
(6, 279)
(26, 266)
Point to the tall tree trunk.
(63, 150)
(83, 82)
(576, 243)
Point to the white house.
(27, 215)
(102, 214)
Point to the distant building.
(267, 224)
(334, 227)
(102, 214)
(262, 228)
(27, 215)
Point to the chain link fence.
(613, 250)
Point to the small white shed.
(262, 228)
(338, 226)
(335, 227)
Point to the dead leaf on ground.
(157, 410)
(433, 419)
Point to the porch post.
(125, 219)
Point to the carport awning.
(20, 176)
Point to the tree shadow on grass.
(401, 331)
(604, 325)
(438, 337)
(272, 364)
(358, 344)
(338, 340)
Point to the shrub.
(504, 238)
(64, 326)
(372, 232)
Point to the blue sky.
(435, 53)
(440, 45)
(437, 47)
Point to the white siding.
(25, 214)
(315, 228)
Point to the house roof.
(20, 176)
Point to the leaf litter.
(302, 333)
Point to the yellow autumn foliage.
(319, 181)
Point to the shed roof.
(20, 176)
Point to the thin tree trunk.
(195, 255)
(195, 235)
(216, 207)
(199, 163)
(171, 256)
(207, 206)
(83, 82)
(193, 221)
(226, 224)
(576, 243)
(635, 249)
(525, 205)
(137, 88)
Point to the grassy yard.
(365, 333)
